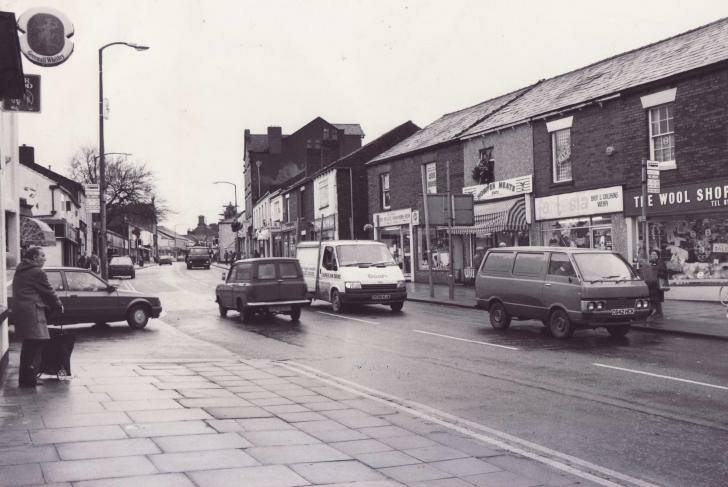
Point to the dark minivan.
(263, 285)
(564, 287)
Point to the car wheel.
(560, 324)
(296, 314)
(222, 309)
(137, 317)
(499, 317)
(618, 331)
(396, 307)
(336, 305)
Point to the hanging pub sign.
(30, 101)
(678, 200)
(46, 36)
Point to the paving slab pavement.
(83, 432)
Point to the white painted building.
(261, 226)
(325, 206)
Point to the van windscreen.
(603, 267)
(352, 255)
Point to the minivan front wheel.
(560, 324)
(499, 317)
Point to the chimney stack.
(275, 140)
(26, 154)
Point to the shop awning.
(36, 232)
(500, 216)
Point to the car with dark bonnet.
(564, 287)
(165, 259)
(263, 286)
(121, 266)
(198, 257)
(87, 298)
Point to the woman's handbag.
(663, 285)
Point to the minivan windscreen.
(363, 255)
(603, 267)
(199, 251)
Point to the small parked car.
(564, 287)
(89, 299)
(165, 259)
(121, 266)
(198, 257)
(263, 286)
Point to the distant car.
(89, 299)
(198, 257)
(165, 259)
(263, 285)
(121, 266)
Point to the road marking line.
(465, 340)
(348, 318)
(558, 460)
(662, 376)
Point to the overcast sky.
(217, 67)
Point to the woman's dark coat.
(33, 300)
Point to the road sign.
(653, 165)
(653, 185)
(30, 101)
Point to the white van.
(352, 271)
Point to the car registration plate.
(380, 297)
(279, 309)
(622, 311)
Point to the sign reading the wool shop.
(690, 198)
(500, 189)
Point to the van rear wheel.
(499, 317)
(560, 324)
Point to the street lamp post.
(258, 164)
(102, 160)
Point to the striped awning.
(36, 232)
(500, 216)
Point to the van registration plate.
(622, 311)
(380, 297)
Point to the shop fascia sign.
(689, 198)
(329, 223)
(580, 203)
(46, 40)
(501, 189)
(393, 218)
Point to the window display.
(694, 250)
(440, 253)
(587, 232)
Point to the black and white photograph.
(363, 243)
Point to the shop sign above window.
(676, 200)
(501, 189)
(580, 203)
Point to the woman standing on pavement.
(34, 299)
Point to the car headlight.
(352, 285)
(600, 305)
(590, 306)
(401, 284)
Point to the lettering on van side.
(331, 275)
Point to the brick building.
(274, 159)
(395, 194)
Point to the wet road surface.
(650, 406)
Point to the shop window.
(587, 232)
(662, 135)
(440, 249)
(561, 146)
(384, 185)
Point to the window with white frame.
(662, 133)
(384, 184)
(323, 187)
(561, 146)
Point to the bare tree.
(129, 186)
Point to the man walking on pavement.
(94, 262)
(35, 299)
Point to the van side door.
(562, 286)
(529, 270)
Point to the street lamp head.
(258, 163)
(138, 47)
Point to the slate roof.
(684, 52)
(448, 127)
(350, 128)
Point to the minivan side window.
(560, 265)
(288, 270)
(240, 273)
(498, 262)
(530, 263)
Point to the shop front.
(284, 239)
(590, 219)
(394, 229)
(325, 228)
(262, 243)
(688, 226)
